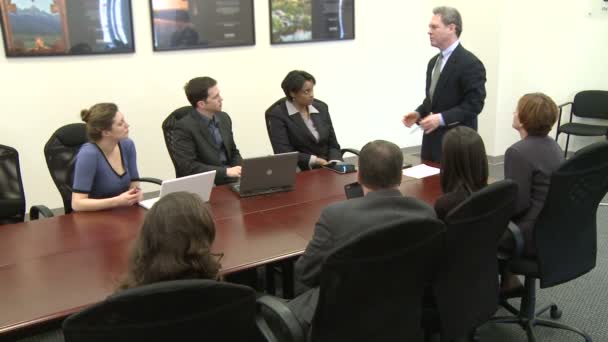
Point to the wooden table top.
(53, 267)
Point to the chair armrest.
(350, 150)
(518, 237)
(148, 180)
(564, 104)
(278, 318)
(36, 210)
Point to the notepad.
(420, 171)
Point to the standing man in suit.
(455, 85)
(380, 175)
(203, 139)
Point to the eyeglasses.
(219, 256)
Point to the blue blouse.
(93, 174)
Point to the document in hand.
(421, 171)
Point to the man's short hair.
(197, 89)
(537, 113)
(380, 165)
(449, 15)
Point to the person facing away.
(455, 85)
(299, 122)
(464, 168)
(106, 166)
(174, 243)
(203, 139)
(380, 173)
(530, 163)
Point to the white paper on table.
(420, 171)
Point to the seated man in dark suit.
(299, 122)
(380, 175)
(203, 139)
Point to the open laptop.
(265, 175)
(200, 184)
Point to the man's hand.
(410, 119)
(234, 171)
(430, 122)
(321, 161)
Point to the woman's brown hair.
(537, 113)
(464, 163)
(174, 243)
(99, 118)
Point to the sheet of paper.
(420, 171)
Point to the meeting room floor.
(583, 300)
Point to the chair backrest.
(466, 287)
(12, 196)
(168, 132)
(372, 288)
(181, 310)
(60, 153)
(591, 104)
(267, 117)
(566, 232)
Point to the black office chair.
(12, 195)
(372, 288)
(266, 117)
(60, 153)
(565, 235)
(591, 104)
(466, 287)
(181, 310)
(168, 132)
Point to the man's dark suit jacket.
(339, 223)
(195, 151)
(289, 133)
(459, 95)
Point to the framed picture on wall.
(66, 27)
(195, 24)
(298, 21)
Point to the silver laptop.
(265, 175)
(200, 184)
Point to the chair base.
(527, 318)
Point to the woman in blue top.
(105, 166)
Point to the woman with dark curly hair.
(174, 243)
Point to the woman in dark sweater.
(530, 163)
(464, 168)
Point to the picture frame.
(199, 24)
(34, 28)
(302, 21)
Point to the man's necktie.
(435, 76)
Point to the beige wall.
(368, 82)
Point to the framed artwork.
(297, 21)
(66, 27)
(195, 24)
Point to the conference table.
(53, 267)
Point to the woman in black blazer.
(299, 122)
(464, 168)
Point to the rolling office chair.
(60, 153)
(466, 286)
(168, 125)
(371, 288)
(267, 113)
(565, 236)
(12, 195)
(179, 310)
(592, 104)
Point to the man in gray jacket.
(380, 175)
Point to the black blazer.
(195, 151)
(459, 95)
(289, 133)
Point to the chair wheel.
(555, 312)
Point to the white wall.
(369, 82)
